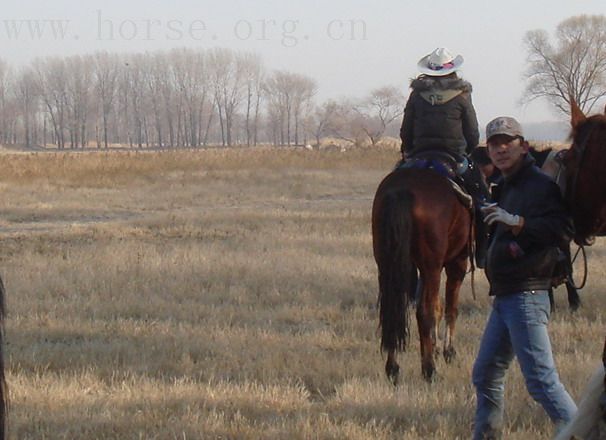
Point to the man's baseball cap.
(504, 125)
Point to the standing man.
(528, 223)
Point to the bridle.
(569, 192)
(581, 148)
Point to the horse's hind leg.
(574, 300)
(455, 273)
(392, 369)
(428, 312)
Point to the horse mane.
(599, 119)
(597, 123)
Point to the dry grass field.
(228, 295)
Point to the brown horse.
(418, 223)
(585, 192)
(585, 175)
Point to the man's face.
(506, 152)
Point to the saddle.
(446, 165)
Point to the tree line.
(198, 97)
(179, 98)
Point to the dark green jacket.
(439, 115)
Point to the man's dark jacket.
(439, 115)
(526, 261)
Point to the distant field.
(228, 294)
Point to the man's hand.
(494, 213)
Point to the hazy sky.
(348, 46)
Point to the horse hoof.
(393, 373)
(450, 354)
(429, 373)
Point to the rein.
(559, 178)
(569, 277)
(472, 248)
(581, 148)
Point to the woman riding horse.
(439, 117)
(418, 221)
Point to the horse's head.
(585, 181)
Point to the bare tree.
(253, 78)
(5, 102)
(304, 89)
(27, 93)
(228, 85)
(135, 96)
(381, 108)
(361, 121)
(154, 77)
(289, 95)
(192, 89)
(79, 79)
(574, 67)
(105, 77)
(322, 120)
(279, 106)
(51, 80)
(346, 123)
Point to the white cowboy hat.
(440, 63)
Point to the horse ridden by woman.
(418, 221)
(585, 191)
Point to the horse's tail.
(3, 386)
(395, 269)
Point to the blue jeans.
(517, 326)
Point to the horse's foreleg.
(455, 273)
(428, 310)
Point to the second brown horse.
(418, 223)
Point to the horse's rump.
(436, 212)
